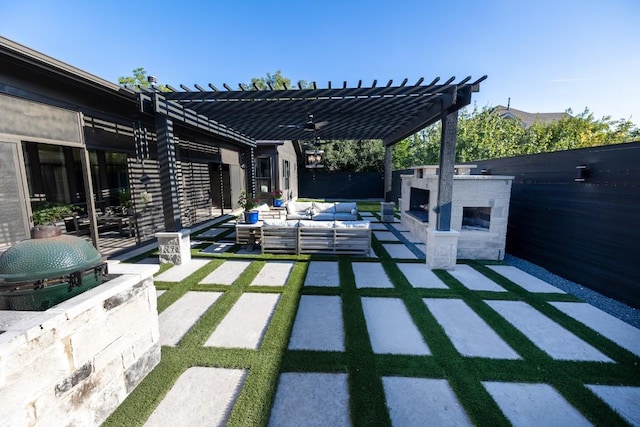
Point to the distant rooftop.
(528, 119)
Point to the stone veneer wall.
(76, 362)
(468, 191)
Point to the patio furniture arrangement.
(317, 211)
(316, 237)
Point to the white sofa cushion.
(279, 223)
(319, 207)
(346, 207)
(351, 224)
(315, 224)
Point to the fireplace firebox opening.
(476, 218)
(419, 204)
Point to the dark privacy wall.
(341, 185)
(585, 231)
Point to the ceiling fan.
(310, 125)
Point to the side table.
(250, 234)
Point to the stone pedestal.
(174, 246)
(386, 211)
(442, 249)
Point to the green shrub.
(48, 213)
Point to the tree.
(349, 155)
(484, 134)
(139, 79)
(276, 81)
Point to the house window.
(263, 174)
(476, 218)
(286, 173)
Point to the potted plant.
(277, 198)
(249, 205)
(45, 217)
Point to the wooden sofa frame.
(316, 240)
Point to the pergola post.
(388, 172)
(447, 169)
(174, 244)
(442, 242)
(251, 173)
(168, 173)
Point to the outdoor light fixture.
(144, 179)
(484, 171)
(152, 80)
(582, 173)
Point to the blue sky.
(547, 56)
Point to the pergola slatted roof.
(390, 113)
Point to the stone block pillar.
(174, 246)
(442, 249)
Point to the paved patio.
(458, 348)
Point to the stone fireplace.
(480, 209)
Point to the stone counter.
(76, 362)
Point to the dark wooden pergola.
(388, 113)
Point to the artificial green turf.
(365, 368)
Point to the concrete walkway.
(206, 395)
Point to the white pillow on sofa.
(291, 208)
(324, 207)
(346, 207)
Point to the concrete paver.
(385, 236)
(245, 324)
(322, 273)
(550, 337)
(201, 396)
(470, 335)
(178, 273)
(311, 399)
(616, 330)
(176, 320)
(624, 400)
(318, 324)
(212, 232)
(391, 329)
(534, 405)
(421, 276)
(227, 273)
(475, 280)
(370, 275)
(378, 226)
(525, 280)
(218, 248)
(274, 273)
(423, 402)
(398, 251)
(399, 227)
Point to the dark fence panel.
(396, 184)
(341, 185)
(585, 231)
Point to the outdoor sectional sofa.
(317, 211)
(316, 237)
